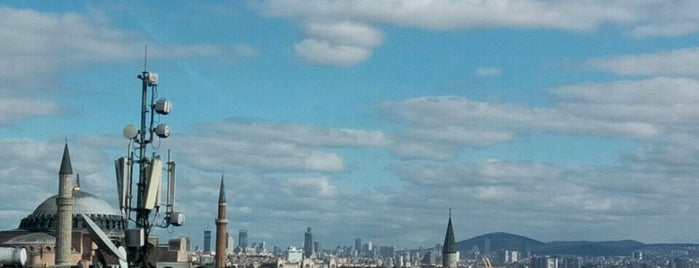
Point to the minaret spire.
(221, 228)
(64, 204)
(449, 254)
(222, 193)
(77, 182)
(66, 167)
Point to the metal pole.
(141, 212)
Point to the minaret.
(64, 202)
(221, 228)
(449, 255)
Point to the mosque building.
(37, 233)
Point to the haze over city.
(557, 120)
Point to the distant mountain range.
(504, 241)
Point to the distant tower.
(221, 228)
(207, 240)
(449, 255)
(230, 244)
(308, 244)
(64, 202)
(243, 239)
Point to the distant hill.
(504, 241)
(499, 241)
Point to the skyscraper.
(230, 244)
(221, 228)
(449, 255)
(207, 240)
(242, 239)
(358, 245)
(308, 244)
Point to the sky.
(556, 120)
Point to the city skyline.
(563, 120)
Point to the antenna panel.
(123, 178)
(152, 79)
(171, 178)
(153, 183)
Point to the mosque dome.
(84, 203)
(44, 217)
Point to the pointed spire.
(222, 193)
(449, 241)
(66, 168)
(77, 182)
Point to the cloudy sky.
(557, 120)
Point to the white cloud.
(341, 43)
(443, 15)
(346, 33)
(456, 121)
(301, 134)
(488, 72)
(664, 104)
(679, 62)
(326, 53)
(13, 109)
(45, 46)
(640, 19)
(250, 146)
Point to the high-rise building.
(449, 255)
(230, 244)
(308, 244)
(543, 262)
(358, 245)
(242, 239)
(262, 247)
(207, 240)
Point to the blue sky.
(564, 120)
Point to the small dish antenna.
(130, 132)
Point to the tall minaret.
(221, 228)
(449, 255)
(64, 202)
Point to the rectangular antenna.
(153, 183)
(123, 178)
(171, 173)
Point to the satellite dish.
(130, 132)
(102, 240)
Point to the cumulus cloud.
(301, 134)
(45, 46)
(13, 109)
(338, 43)
(328, 24)
(660, 109)
(678, 62)
(664, 104)
(457, 121)
(570, 15)
(594, 193)
(488, 72)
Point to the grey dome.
(32, 239)
(44, 218)
(85, 203)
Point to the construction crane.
(486, 262)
